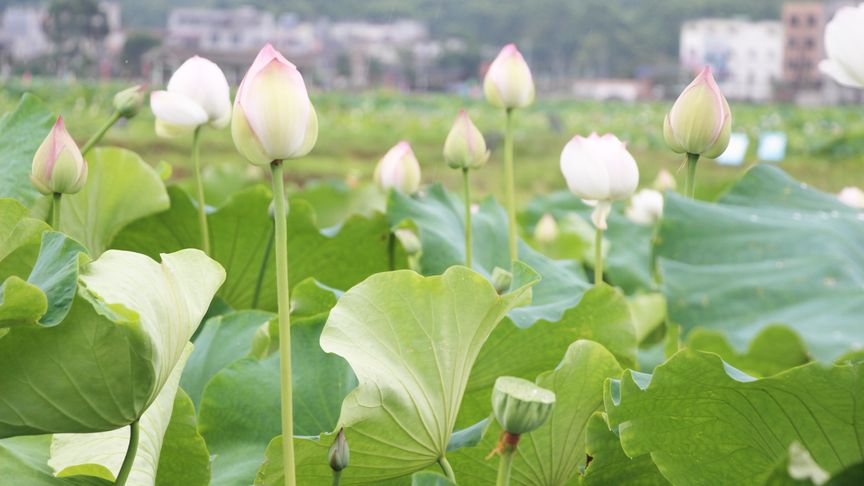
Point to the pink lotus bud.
(844, 36)
(58, 165)
(700, 121)
(465, 147)
(399, 170)
(646, 207)
(273, 116)
(508, 83)
(546, 231)
(197, 94)
(665, 181)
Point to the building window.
(809, 43)
(793, 21)
(792, 43)
(811, 20)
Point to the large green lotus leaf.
(26, 460)
(22, 132)
(240, 411)
(241, 234)
(184, 458)
(610, 465)
(602, 316)
(47, 295)
(427, 478)
(770, 251)
(440, 219)
(706, 423)
(420, 336)
(628, 257)
(774, 349)
(105, 363)
(334, 202)
(552, 454)
(120, 189)
(101, 454)
(20, 239)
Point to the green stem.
(510, 181)
(598, 257)
(467, 218)
(199, 184)
(283, 306)
(55, 212)
(126, 468)
(504, 467)
(337, 477)
(391, 251)
(256, 295)
(690, 182)
(98, 135)
(448, 470)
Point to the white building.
(746, 56)
(21, 33)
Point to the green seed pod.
(519, 405)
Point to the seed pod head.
(520, 406)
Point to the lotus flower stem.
(509, 181)
(391, 250)
(598, 257)
(447, 468)
(467, 217)
(126, 468)
(199, 183)
(55, 211)
(283, 305)
(505, 464)
(256, 295)
(99, 134)
(337, 478)
(690, 182)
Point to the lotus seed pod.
(520, 406)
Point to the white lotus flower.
(852, 196)
(646, 207)
(844, 36)
(197, 94)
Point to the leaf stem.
(447, 468)
(283, 303)
(505, 464)
(199, 184)
(598, 257)
(690, 182)
(256, 295)
(467, 217)
(126, 468)
(99, 134)
(55, 211)
(509, 182)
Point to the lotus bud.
(58, 166)
(646, 207)
(519, 405)
(339, 453)
(665, 181)
(508, 82)
(128, 102)
(546, 231)
(843, 40)
(852, 196)
(465, 147)
(700, 122)
(273, 116)
(197, 94)
(398, 170)
(410, 243)
(501, 280)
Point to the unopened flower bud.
(700, 121)
(399, 170)
(339, 453)
(410, 243)
(129, 101)
(646, 207)
(465, 147)
(520, 406)
(664, 181)
(508, 83)
(58, 166)
(501, 280)
(546, 231)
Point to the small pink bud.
(399, 170)
(700, 121)
(58, 166)
(508, 83)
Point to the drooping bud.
(843, 40)
(508, 82)
(197, 94)
(273, 116)
(465, 147)
(58, 165)
(646, 207)
(664, 181)
(852, 196)
(339, 453)
(700, 121)
(129, 101)
(398, 170)
(546, 231)
(520, 406)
